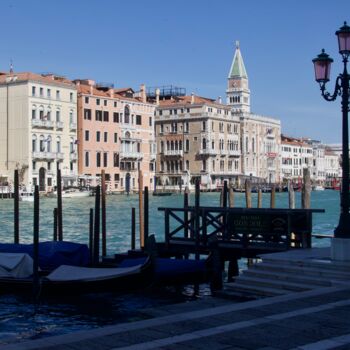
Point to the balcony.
(234, 153)
(73, 126)
(271, 155)
(59, 156)
(223, 152)
(153, 156)
(73, 156)
(208, 152)
(40, 123)
(174, 153)
(59, 125)
(131, 155)
(44, 155)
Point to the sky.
(190, 44)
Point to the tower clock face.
(235, 83)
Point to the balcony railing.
(223, 152)
(174, 152)
(59, 125)
(73, 126)
(131, 155)
(73, 156)
(208, 152)
(39, 123)
(234, 153)
(60, 156)
(44, 155)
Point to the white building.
(38, 129)
(295, 156)
(260, 135)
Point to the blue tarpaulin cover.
(53, 254)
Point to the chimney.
(143, 93)
(157, 96)
(192, 98)
(111, 93)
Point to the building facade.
(196, 137)
(116, 134)
(260, 135)
(38, 129)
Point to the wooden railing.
(267, 229)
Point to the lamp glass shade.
(343, 35)
(322, 65)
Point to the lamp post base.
(340, 249)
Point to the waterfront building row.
(173, 138)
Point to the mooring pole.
(186, 232)
(55, 224)
(91, 234)
(133, 229)
(196, 217)
(59, 204)
(16, 207)
(96, 258)
(36, 243)
(141, 226)
(146, 213)
(103, 210)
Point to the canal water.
(20, 319)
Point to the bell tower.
(238, 93)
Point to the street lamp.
(322, 64)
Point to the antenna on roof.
(11, 67)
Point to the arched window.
(180, 145)
(58, 144)
(127, 135)
(168, 146)
(48, 114)
(34, 138)
(71, 145)
(204, 144)
(34, 112)
(41, 143)
(41, 112)
(253, 145)
(48, 144)
(246, 144)
(172, 145)
(187, 165)
(161, 147)
(187, 145)
(87, 159)
(71, 119)
(127, 115)
(58, 115)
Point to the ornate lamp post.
(322, 64)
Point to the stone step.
(325, 265)
(303, 270)
(272, 283)
(234, 290)
(286, 276)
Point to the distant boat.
(318, 188)
(72, 193)
(26, 196)
(161, 194)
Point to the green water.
(76, 216)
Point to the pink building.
(115, 133)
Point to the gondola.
(161, 194)
(16, 277)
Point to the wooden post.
(36, 243)
(224, 195)
(231, 197)
(196, 217)
(142, 236)
(55, 224)
(133, 229)
(16, 207)
(306, 204)
(248, 194)
(103, 213)
(259, 198)
(145, 211)
(91, 234)
(96, 257)
(59, 204)
(306, 190)
(186, 232)
(291, 195)
(273, 197)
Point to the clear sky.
(190, 44)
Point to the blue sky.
(190, 44)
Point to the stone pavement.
(317, 319)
